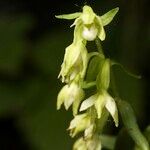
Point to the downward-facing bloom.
(92, 25)
(79, 124)
(80, 144)
(75, 62)
(70, 94)
(92, 143)
(100, 101)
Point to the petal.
(68, 102)
(94, 143)
(72, 92)
(108, 17)
(88, 15)
(77, 119)
(102, 33)
(112, 108)
(89, 131)
(84, 55)
(61, 97)
(99, 104)
(77, 102)
(69, 16)
(88, 102)
(80, 144)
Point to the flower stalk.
(90, 113)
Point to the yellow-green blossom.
(92, 25)
(75, 62)
(70, 94)
(100, 101)
(80, 144)
(79, 123)
(92, 143)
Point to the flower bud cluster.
(88, 27)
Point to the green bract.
(103, 78)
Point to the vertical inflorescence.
(75, 70)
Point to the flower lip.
(90, 33)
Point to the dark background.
(32, 43)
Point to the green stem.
(131, 125)
(102, 121)
(99, 46)
(87, 85)
(113, 84)
(108, 141)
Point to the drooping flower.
(92, 143)
(75, 62)
(92, 25)
(79, 124)
(70, 94)
(80, 144)
(100, 101)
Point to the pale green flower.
(70, 94)
(75, 62)
(92, 143)
(80, 144)
(79, 124)
(100, 101)
(92, 25)
(89, 131)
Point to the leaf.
(108, 17)
(125, 70)
(108, 141)
(69, 16)
(129, 120)
(147, 133)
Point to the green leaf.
(108, 141)
(108, 17)
(129, 120)
(147, 133)
(125, 70)
(69, 16)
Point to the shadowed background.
(32, 44)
